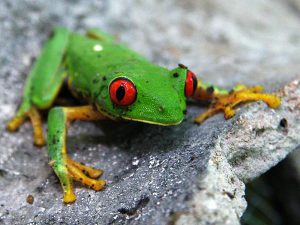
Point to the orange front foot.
(36, 121)
(227, 102)
(71, 170)
(85, 175)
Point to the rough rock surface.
(257, 140)
(186, 174)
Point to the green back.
(93, 64)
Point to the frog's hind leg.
(223, 100)
(65, 168)
(42, 85)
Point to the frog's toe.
(89, 171)
(39, 141)
(229, 112)
(79, 176)
(209, 113)
(98, 185)
(36, 121)
(69, 197)
(95, 173)
(14, 124)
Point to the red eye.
(190, 83)
(122, 92)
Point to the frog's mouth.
(118, 118)
(153, 122)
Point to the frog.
(112, 82)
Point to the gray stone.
(255, 142)
(186, 174)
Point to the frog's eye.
(122, 92)
(190, 83)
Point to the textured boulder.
(186, 174)
(256, 141)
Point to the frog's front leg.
(43, 84)
(224, 100)
(65, 168)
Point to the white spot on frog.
(97, 48)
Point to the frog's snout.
(171, 115)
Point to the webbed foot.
(239, 94)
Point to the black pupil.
(195, 82)
(120, 93)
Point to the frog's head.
(154, 95)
